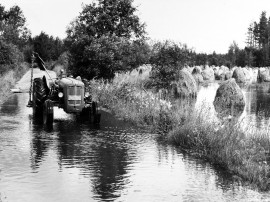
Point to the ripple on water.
(76, 161)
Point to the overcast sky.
(205, 25)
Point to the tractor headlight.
(60, 94)
(87, 94)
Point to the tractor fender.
(48, 82)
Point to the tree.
(249, 56)
(263, 31)
(12, 26)
(48, 47)
(9, 56)
(250, 36)
(172, 54)
(96, 37)
(256, 34)
(108, 17)
(213, 59)
(263, 37)
(201, 59)
(167, 58)
(233, 53)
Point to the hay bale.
(241, 75)
(229, 99)
(197, 70)
(228, 75)
(184, 85)
(263, 75)
(196, 73)
(221, 73)
(208, 74)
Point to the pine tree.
(263, 31)
(250, 36)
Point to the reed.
(126, 97)
(242, 153)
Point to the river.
(77, 161)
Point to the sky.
(204, 25)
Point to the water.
(256, 115)
(77, 161)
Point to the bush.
(167, 59)
(169, 53)
(9, 78)
(9, 54)
(162, 76)
(103, 57)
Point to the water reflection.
(256, 113)
(76, 161)
(262, 96)
(11, 106)
(257, 110)
(104, 157)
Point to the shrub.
(9, 78)
(9, 55)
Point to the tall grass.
(127, 98)
(9, 79)
(243, 153)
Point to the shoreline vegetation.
(105, 39)
(244, 154)
(9, 78)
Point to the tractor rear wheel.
(39, 95)
(48, 112)
(95, 113)
(94, 108)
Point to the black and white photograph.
(134, 101)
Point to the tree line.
(107, 37)
(17, 43)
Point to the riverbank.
(20, 79)
(9, 79)
(244, 154)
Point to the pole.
(30, 102)
(41, 65)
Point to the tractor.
(65, 92)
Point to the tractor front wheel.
(86, 113)
(48, 112)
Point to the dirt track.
(23, 84)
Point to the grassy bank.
(244, 154)
(9, 79)
(126, 97)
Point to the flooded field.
(77, 161)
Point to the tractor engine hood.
(73, 94)
(70, 82)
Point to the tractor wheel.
(95, 113)
(86, 113)
(97, 118)
(39, 95)
(48, 112)
(94, 108)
